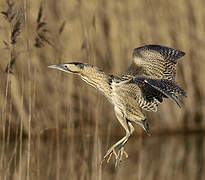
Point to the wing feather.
(154, 61)
(154, 90)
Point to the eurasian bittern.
(149, 79)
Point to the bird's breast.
(125, 97)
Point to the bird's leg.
(119, 156)
(122, 141)
(131, 130)
(121, 148)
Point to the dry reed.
(53, 126)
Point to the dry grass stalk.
(41, 31)
(118, 29)
(9, 14)
(15, 21)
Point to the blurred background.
(54, 126)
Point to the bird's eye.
(66, 68)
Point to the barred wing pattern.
(154, 90)
(155, 61)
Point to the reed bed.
(53, 125)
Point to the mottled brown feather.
(154, 61)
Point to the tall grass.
(50, 119)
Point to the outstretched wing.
(154, 61)
(154, 90)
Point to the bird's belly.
(128, 106)
(126, 98)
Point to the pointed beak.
(52, 66)
(146, 127)
(61, 67)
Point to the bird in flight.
(149, 79)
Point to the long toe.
(111, 151)
(121, 152)
(109, 154)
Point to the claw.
(126, 155)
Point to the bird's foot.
(109, 154)
(118, 156)
(121, 152)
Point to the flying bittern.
(149, 79)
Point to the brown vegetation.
(37, 102)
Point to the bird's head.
(144, 125)
(73, 67)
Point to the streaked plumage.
(149, 79)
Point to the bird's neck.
(98, 79)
